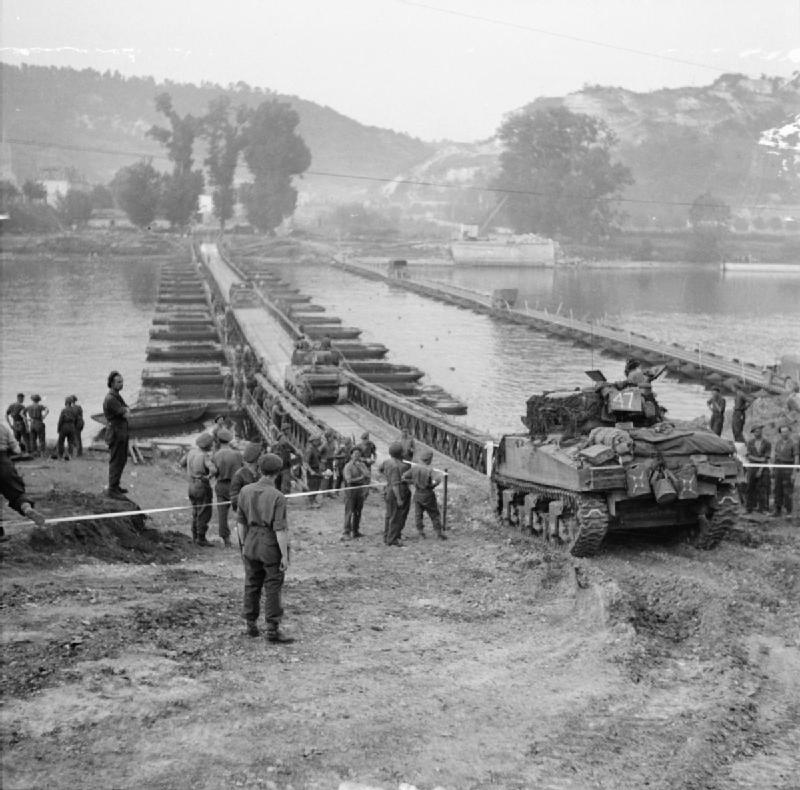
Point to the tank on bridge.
(603, 458)
(243, 294)
(314, 377)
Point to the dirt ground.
(487, 661)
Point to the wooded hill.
(678, 143)
(97, 123)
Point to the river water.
(67, 322)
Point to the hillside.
(724, 138)
(96, 123)
(729, 137)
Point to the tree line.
(267, 140)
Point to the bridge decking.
(697, 364)
(373, 409)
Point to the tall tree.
(137, 190)
(8, 194)
(34, 190)
(274, 152)
(182, 189)
(74, 208)
(556, 166)
(101, 197)
(225, 142)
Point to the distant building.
(55, 188)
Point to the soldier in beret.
(246, 474)
(424, 480)
(200, 468)
(787, 452)
(397, 495)
(716, 403)
(758, 478)
(227, 461)
(261, 509)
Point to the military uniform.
(740, 404)
(227, 462)
(246, 474)
(66, 432)
(397, 497)
(717, 405)
(18, 424)
(262, 515)
(200, 468)
(37, 413)
(758, 480)
(422, 477)
(787, 451)
(314, 469)
(356, 473)
(114, 409)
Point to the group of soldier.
(784, 455)
(760, 452)
(28, 426)
(255, 481)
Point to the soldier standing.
(227, 462)
(262, 517)
(79, 424)
(116, 412)
(37, 413)
(246, 474)
(758, 479)
(200, 467)
(421, 475)
(356, 473)
(717, 405)
(227, 385)
(65, 445)
(396, 495)
(741, 403)
(17, 419)
(368, 449)
(787, 451)
(313, 464)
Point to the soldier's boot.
(277, 638)
(252, 628)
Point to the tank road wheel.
(714, 525)
(585, 529)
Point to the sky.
(436, 69)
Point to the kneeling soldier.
(421, 475)
(262, 517)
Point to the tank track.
(590, 512)
(713, 528)
(593, 519)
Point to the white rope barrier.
(150, 511)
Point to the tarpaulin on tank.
(650, 441)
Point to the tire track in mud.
(702, 631)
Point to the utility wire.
(397, 181)
(566, 36)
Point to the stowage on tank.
(604, 458)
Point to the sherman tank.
(604, 458)
(315, 378)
